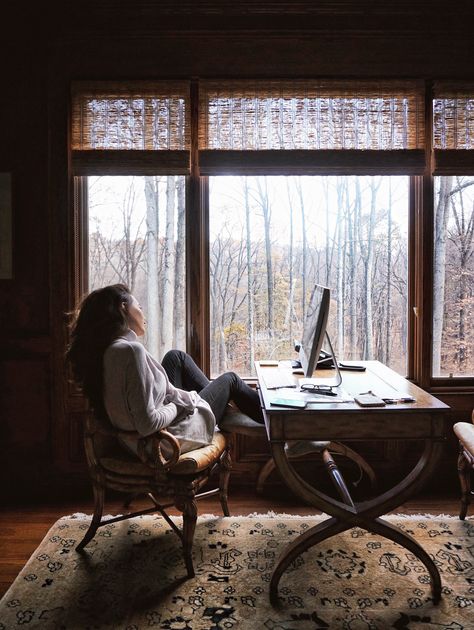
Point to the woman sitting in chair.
(136, 392)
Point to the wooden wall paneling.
(64, 275)
(26, 423)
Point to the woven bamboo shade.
(311, 115)
(453, 116)
(143, 116)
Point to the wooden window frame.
(204, 163)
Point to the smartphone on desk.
(369, 400)
(289, 402)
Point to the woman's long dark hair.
(99, 319)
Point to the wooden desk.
(421, 420)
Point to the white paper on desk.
(328, 399)
(311, 397)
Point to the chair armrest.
(156, 459)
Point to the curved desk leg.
(382, 528)
(363, 514)
(310, 537)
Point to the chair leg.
(346, 451)
(464, 471)
(337, 478)
(264, 473)
(334, 447)
(129, 500)
(224, 476)
(186, 504)
(99, 494)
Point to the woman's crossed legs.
(183, 372)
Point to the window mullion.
(197, 249)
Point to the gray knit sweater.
(138, 396)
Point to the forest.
(270, 240)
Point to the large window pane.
(136, 237)
(453, 290)
(273, 238)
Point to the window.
(453, 260)
(136, 236)
(263, 188)
(273, 238)
(131, 146)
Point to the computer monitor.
(314, 329)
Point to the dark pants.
(185, 374)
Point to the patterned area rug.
(132, 577)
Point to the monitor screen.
(314, 328)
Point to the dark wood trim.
(197, 249)
(403, 20)
(80, 237)
(449, 162)
(324, 162)
(130, 162)
(412, 328)
(62, 268)
(425, 254)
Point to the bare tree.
(250, 287)
(264, 202)
(366, 243)
(388, 307)
(304, 262)
(168, 268)
(152, 268)
(121, 253)
(179, 282)
(227, 267)
(461, 236)
(340, 268)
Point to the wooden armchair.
(465, 434)
(178, 476)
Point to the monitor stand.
(325, 383)
(326, 362)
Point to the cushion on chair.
(465, 434)
(297, 448)
(200, 458)
(235, 421)
(188, 463)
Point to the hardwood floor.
(23, 528)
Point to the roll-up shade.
(453, 128)
(311, 115)
(140, 116)
(453, 116)
(326, 162)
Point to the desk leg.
(382, 528)
(310, 537)
(364, 515)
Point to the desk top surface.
(422, 419)
(377, 378)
